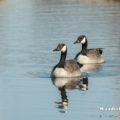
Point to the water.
(29, 31)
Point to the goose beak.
(56, 49)
(76, 42)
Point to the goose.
(65, 68)
(88, 55)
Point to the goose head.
(61, 47)
(81, 39)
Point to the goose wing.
(71, 66)
(96, 49)
(94, 53)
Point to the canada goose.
(64, 68)
(88, 55)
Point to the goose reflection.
(68, 83)
(64, 103)
(88, 68)
(84, 84)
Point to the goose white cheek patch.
(83, 40)
(63, 49)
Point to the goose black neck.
(62, 59)
(84, 48)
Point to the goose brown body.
(65, 68)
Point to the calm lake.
(29, 31)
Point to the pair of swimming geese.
(71, 68)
